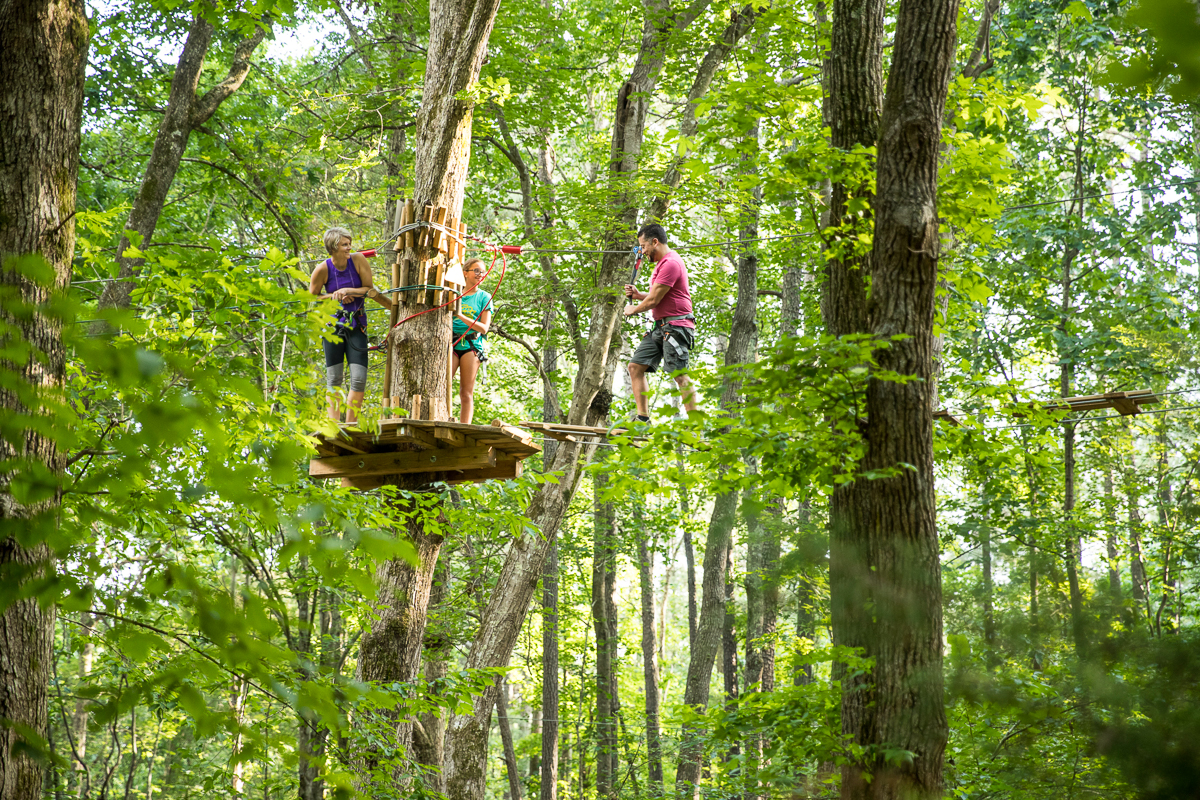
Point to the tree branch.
(739, 25)
(204, 107)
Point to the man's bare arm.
(657, 292)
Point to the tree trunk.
(41, 103)
(895, 531)
(604, 622)
(429, 740)
(852, 107)
(646, 552)
(79, 718)
(743, 339)
(1110, 536)
(689, 554)
(458, 37)
(550, 709)
(501, 622)
(729, 648)
(989, 612)
(185, 113)
(390, 652)
(506, 739)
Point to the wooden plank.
(946, 415)
(448, 437)
(401, 431)
(414, 408)
(345, 443)
(511, 430)
(324, 450)
(398, 463)
(381, 299)
(439, 274)
(504, 470)
(1125, 406)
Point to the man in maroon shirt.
(670, 303)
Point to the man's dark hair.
(653, 231)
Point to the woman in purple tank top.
(345, 277)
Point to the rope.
(503, 266)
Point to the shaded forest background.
(211, 599)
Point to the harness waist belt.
(662, 320)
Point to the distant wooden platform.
(573, 433)
(1126, 403)
(453, 452)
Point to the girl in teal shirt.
(470, 327)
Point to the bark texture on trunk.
(550, 723)
(390, 652)
(604, 622)
(458, 36)
(650, 676)
(41, 104)
(901, 706)
(506, 740)
(185, 112)
(853, 104)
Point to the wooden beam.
(503, 470)
(382, 299)
(344, 442)
(402, 432)
(1125, 405)
(512, 431)
(946, 415)
(448, 437)
(401, 463)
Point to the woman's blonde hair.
(470, 261)
(333, 237)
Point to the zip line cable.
(1190, 182)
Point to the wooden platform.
(453, 452)
(1126, 403)
(573, 433)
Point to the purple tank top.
(352, 315)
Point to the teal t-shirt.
(472, 306)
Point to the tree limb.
(204, 107)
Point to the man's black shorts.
(668, 342)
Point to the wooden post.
(409, 212)
(415, 412)
(440, 219)
(424, 239)
(439, 275)
(450, 380)
(403, 210)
